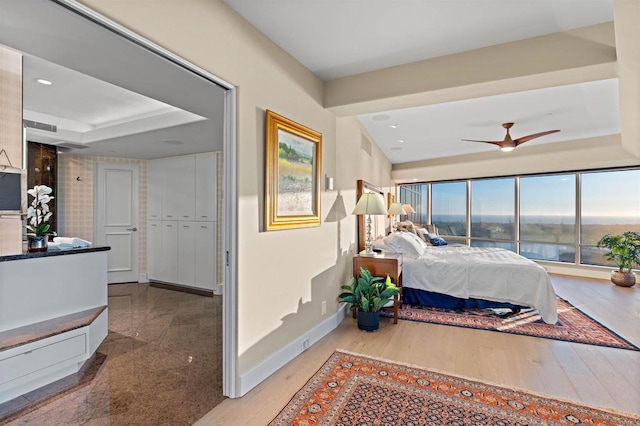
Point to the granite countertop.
(35, 255)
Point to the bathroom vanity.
(53, 315)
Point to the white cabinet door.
(154, 249)
(170, 189)
(154, 189)
(187, 236)
(183, 186)
(206, 256)
(169, 257)
(206, 187)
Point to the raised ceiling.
(336, 38)
(341, 38)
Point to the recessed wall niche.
(42, 169)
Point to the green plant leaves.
(368, 293)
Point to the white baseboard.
(218, 289)
(274, 362)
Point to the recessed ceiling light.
(173, 142)
(394, 126)
(400, 141)
(415, 179)
(380, 117)
(43, 81)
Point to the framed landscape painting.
(293, 157)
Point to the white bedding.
(483, 273)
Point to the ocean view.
(586, 220)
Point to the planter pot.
(623, 279)
(368, 321)
(37, 243)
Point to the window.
(559, 217)
(492, 209)
(548, 217)
(610, 205)
(416, 196)
(449, 208)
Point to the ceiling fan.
(509, 144)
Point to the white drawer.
(43, 357)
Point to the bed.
(461, 277)
(458, 276)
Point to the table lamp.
(408, 209)
(368, 204)
(395, 209)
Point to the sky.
(605, 194)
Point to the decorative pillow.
(436, 240)
(380, 245)
(422, 234)
(405, 243)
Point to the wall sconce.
(328, 183)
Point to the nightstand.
(381, 265)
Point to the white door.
(117, 217)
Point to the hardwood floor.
(592, 375)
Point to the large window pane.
(416, 196)
(548, 209)
(610, 204)
(550, 252)
(449, 208)
(498, 244)
(493, 209)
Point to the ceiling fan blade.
(499, 143)
(533, 136)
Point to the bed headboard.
(379, 224)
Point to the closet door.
(154, 189)
(183, 186)
(206, 256)
(206, 187)
(154, 249)
(169, 257)
(187, 237)
(170, 188)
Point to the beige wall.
(11, 139)
(283, 276)
(76, 199)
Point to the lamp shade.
(408, 209)
(370, 203)
(396, 208)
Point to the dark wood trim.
(191, 290)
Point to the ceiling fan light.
(507, 148)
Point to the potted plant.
(367, 295)
(624, 250)
(38, 215)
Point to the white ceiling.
(434, 131)
(336, 38)
(110, 96)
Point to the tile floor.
(161, 364)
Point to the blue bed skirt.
(412, 296)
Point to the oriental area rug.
(573, 325)
(352, 389)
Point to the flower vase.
(36, 243)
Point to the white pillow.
(380, 245)
(406, 243)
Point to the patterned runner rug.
(573, 325)
(356, 390)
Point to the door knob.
(134, 229)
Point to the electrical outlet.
(324, 307)
(305, 344)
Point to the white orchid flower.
(31, 212)
(46, 217)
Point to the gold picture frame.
(293, 163)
